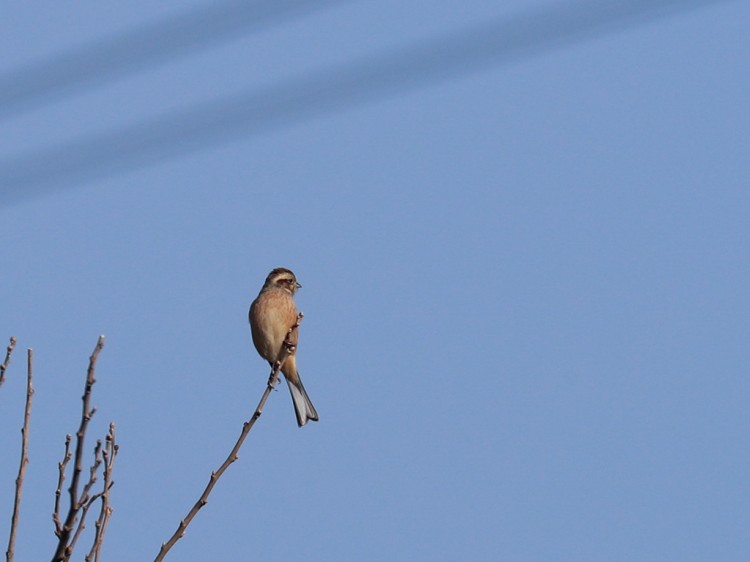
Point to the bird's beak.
(298, 285)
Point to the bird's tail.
(303, 407)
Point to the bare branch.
(92, 473)
(64, 546)
(60, 479)
(85, 500)
(109, 453)
(8, 353)
(24, 448)
(233, 455)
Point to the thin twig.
(8, 353)
(64, 548)
(24, 451)
(233, 455)
(60, 479)
(86, 500)
(109, 453)
(92, 473)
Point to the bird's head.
(282, 278)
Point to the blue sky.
(524, 286)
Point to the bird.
(272, 314)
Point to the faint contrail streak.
(323, 92)
(99, 61)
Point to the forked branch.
(109, 453)
(69, 531)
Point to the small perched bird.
(272, 314)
